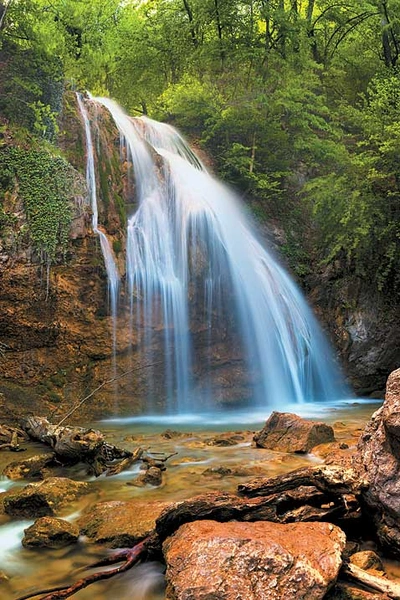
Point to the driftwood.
(72, 445)
(321, 493)
(9, 438)
(77, 444)
(128, 558)
(327, 478)
(381, 584)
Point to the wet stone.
(50, 532)
(208, 560)
(120, 524)
(44, 498)
(286, 432)
(30, 468)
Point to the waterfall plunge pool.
(196, 468)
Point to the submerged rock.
(225, 439)
(44, 498)
(50, 532)
(379, 452)
(31, 468)
(286, 432)
(253, 561)
(120, 524)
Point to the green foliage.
(191, 103)
(117, 246)
(31, 89)
(357, 206)
(44, 183)
(297, 102)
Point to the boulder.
(47, 497)
(120, 524)
(379, 452)
(30, 468)
(208, 560)
(367, 560)
(151, 476)
(286, 432)
(50, 532)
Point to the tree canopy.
(296, 100)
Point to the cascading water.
(198, 276)
(110, 264)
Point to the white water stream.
(108, 255)
(195, 269)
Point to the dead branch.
(125, 463)
(9, 438)
(381, 584)
(99, 387)
(130, 557)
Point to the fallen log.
(322, 493)
(331, 479)
(72, 445)
(77, 444)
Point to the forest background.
(297, 103)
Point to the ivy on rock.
(44, 183)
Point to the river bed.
(199, 465)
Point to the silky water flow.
(199, 278)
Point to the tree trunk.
(390, 43)
(4, 6)
(189, 13)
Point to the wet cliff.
(56, 342)
(55, 323)
(364, 325)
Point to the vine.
(44, 184)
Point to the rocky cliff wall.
(56, 328)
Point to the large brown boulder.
(47, 497)
(120, 524)
(379, 451)
(207, 560)
(50, 532)
(286, 432)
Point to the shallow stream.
(199, 465)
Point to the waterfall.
(109, 261)
(200, 281)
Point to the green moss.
(117, 246)
(103, 177)
(120, 207)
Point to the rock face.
(45, 498)
(286, 432)
(364, 325)
(207, 560)
(50, 532)
(379, 448)
(120, 524)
